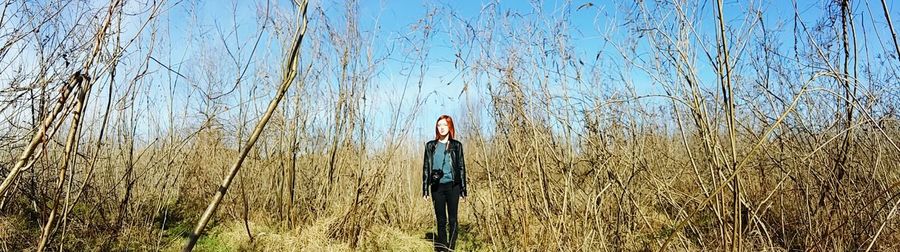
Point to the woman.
(444, 177)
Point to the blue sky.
(588, 27)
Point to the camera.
(436, 176)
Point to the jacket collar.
(435, 141)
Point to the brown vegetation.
(696, 126)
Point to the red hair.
(451, 131)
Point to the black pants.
(446, 202)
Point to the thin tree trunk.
(71, 142)
(72, 138)
(290, 71)
(887, 17)
(728, 90)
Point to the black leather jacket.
(459, 166)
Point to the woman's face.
(443, 128)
